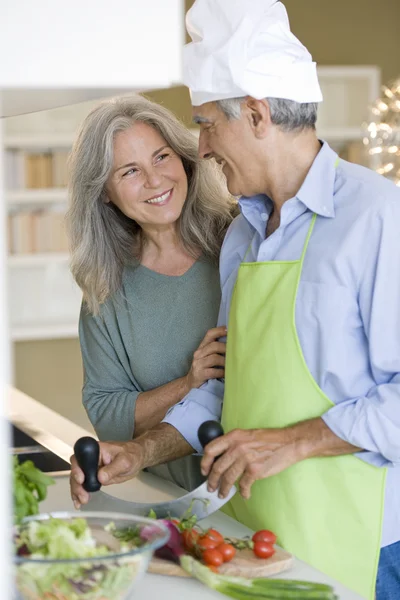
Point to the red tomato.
(263, 550)
(206, 543)
(213, 558)
(264, 535)
(214, 569)
(215, 535)
(176, 522)
(227, 550)
(190, 537)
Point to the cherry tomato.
(175, 522)
(227, 550)
(190, 537)
(213, 558)
(212, 568)
(206, 543)
(263, 550)
(215, 535)
(264, 535)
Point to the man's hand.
(248, 455)
(118, 462)
(254, 454)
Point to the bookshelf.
(40, 272)
(38, 141)
(36, 197)
(34, 260)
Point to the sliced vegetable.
(257, 589)
(89, 578)
(128, 535)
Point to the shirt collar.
(316, 192)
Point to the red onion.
(173, 549)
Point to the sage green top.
(145, 337)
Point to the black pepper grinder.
(209, 431)
(87, 452)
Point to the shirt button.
(264, 216)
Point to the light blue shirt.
(347, 307)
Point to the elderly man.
(310, 275)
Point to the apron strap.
(248, 249)
(310, 230)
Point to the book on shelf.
(14, 169)
(60, 168)
(21, 233)
(37, 231)
(35, 170)
(38, 170)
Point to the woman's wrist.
(185, 386)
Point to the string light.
(382, 133)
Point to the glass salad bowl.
(97, 556)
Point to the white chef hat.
(245, 48)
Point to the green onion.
(257, 589)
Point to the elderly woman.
(146, 223)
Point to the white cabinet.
(347, 91)
(44, 301)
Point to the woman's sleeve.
(109, 395)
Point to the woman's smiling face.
(147, 182)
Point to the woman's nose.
(153, 178)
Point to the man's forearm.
(162, 444)
(152, 406)
(314, 438)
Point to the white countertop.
(59, 435)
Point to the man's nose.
(204, 148)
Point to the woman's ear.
(259, 115)
(104, 197)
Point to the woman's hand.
(209, 359)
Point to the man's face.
(231, 143)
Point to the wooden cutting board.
(245, 564)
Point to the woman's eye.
(162, 156)
(130, 172)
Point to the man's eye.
(206, 128)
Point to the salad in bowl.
(62, 556)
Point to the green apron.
(326, 511)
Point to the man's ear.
(259, 116)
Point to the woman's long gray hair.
(102, 239)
